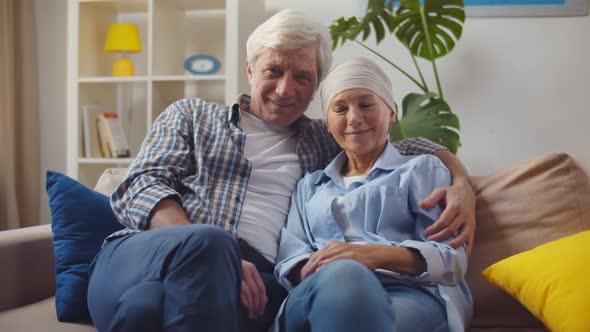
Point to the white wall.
(51, 17)
(520, 86)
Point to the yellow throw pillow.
(552, 281)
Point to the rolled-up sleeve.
(417, 146)
(165, 157)
(295, 246)
(444, 264)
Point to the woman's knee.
(348, 282)
(345, 271)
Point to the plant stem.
(437, 79)
(394, 65)
(430, 50)
(419, 71)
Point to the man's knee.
(210, 240)
(140, 308)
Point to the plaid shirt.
(193, 153)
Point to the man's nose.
(285, 87)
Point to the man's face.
(283, 84)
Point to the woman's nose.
(354, 116)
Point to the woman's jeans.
(181, 278)
(346, 296)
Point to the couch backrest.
(518, 208)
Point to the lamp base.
(123, 67)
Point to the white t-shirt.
(275, 172)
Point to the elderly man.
(223, 177)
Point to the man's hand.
(459, 214)
(339, 250)
(253, 292)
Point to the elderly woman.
(354, 254)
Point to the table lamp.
(123, 37)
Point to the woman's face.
(359, 121)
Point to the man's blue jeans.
(182, 278)
(346, 296)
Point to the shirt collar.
(389, 160)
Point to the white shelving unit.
(170, 32)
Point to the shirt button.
(238, 199)
(243, 173)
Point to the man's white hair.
(291, 30)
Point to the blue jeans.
(346, 296)
(182, 278)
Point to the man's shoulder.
(193, 105)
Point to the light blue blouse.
(385, 211)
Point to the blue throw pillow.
(81, 219)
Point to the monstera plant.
(428, 31)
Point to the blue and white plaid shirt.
(194, 153)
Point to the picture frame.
(520, 8)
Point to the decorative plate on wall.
(202, 64)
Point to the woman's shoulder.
(424, 162)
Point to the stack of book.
(103, 134)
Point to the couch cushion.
(551, 281)
(518, 208)
(39, 316)
(81, 218)
(110, 180)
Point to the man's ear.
(249, 69)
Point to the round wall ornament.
(202, 64)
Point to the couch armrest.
(27, 266)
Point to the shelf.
(205, 12)
(188, 78)
(111, 79)
(190, 5)
(105, 160)
(127, 6)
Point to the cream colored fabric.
(110, 180)
(20, 185)
(519, 208)
(357, 73)
(39, 316)
(27, 265)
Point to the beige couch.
(518, 208)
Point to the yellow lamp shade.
(123, 37)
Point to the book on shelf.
(113, 142)
(90, 131)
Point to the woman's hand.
(363, 254)
(459, 214)
(252, 292)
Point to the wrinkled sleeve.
(444, 264)
(165, 157)
(417, 145)
(294, 246)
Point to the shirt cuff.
(140, 208)
(435, 269)
(283, 269)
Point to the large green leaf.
(428, 116)
(378, 16)
(430, 31)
